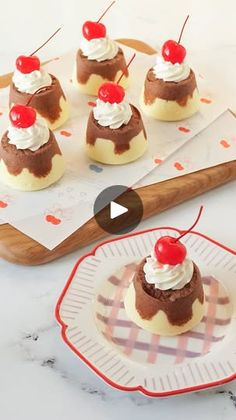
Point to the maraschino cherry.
(112, 92)
(93, 30)
(26, 64)
(173, 51)
(169, 250)
(22, 116)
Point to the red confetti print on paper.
(52, 219)
(3, 205)
(178, 166)
(206, 101)
(184, 129)
(225, 143)
(93, 104)
(158, 161)
(65, 133)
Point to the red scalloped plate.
(94, 324)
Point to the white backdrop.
(25, 24)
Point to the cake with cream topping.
(166, 295)
(170, 89)
(30, 158)
(115, 131)
(98, 60)
(29, 77)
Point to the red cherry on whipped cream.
(169, 251)
(27, 64)
(22, 116)
(111, 92)
(92, 30)
(173, 52)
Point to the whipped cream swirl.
(165, 276)
(112, 115)
(99, 49)
(30, 82)
(31, 138)
(169, 72)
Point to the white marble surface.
(39, 377)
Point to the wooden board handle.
(18, 248)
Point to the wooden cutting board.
(19, 248)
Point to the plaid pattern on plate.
(149, 348)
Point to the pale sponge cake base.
(159, 323)
(103, 150)
(64, 115)
(26, 181)
(164, 110)
(94, 82)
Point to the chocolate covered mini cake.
(116, 146)
(30, 158)
(90, 74)
(98, 60)
(170, 90)
(166, 296)
(50, 103)
(115, 131)
(29, 78)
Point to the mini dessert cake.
(98, 60)
(166, 296)
(50, 103)
(30, 158)
(170, 90)
(115, 131)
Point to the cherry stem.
(104, 13)
(191, 228)
(39, 48)
(35, 93)
(182, 30)
(126, 68)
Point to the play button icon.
(118, 209)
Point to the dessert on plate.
(29, 76)
(99, 59)
(170, 90)
(166, 296)
(30, 158)
(115, 131)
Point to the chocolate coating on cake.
(169, 91)
(176, 304)
(107, 69)
(121, 136)
(39, 163)
(47, 102)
